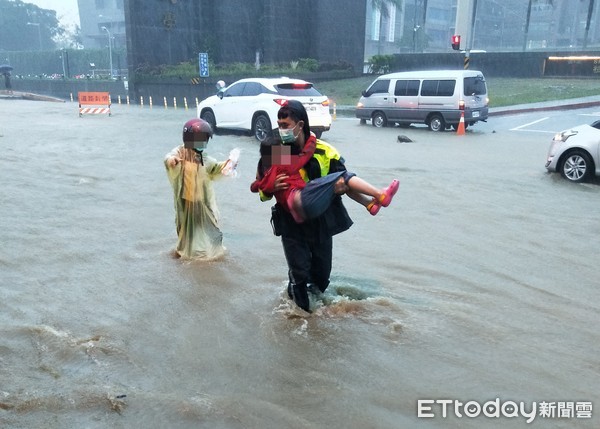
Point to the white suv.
(252, 105)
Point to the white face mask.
(287, 135)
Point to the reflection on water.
(479, 282)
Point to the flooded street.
(480, 282)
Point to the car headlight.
(564, 135)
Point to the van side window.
(438, 88)
(406, 88)
(380, 86)
(475, 86)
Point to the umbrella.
(5, 68)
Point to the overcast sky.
(66, 10)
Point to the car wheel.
(379, 120)
(576, 166)
(318, 134)
(262, 127)
(436, 123)
(209, 117)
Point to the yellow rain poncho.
(196, 212)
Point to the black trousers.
(308, 262)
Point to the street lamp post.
(415, 29)
(109, 51)
(37, 24)
(62, 57)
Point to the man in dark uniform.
(308, 246)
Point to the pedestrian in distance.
(220, 86)
(7, 83)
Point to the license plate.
(476, 114)
(311, 108)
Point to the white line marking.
(526, 125)
(535, 131)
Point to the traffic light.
(456, 42)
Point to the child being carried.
(309, 200)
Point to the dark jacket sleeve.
(336, 165)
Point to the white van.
(436, 98)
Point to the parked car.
(252, 105)
(437, 98)
(575, 153)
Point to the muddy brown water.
(479, 282)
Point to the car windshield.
(297, 90)
(379, 86)
(475, 85)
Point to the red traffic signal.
(456, 42)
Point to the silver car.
(575, 153)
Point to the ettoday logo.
(431, 408)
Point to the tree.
(384, 7)
(27, 27)
(71, 38)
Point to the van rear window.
(438, 88)
(475, 86)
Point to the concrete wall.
(157, 89)
(64, 89)
(524, 65)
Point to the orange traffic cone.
(460, 130)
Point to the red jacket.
(295, 181)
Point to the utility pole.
(587, 23)
(109, 51)
(415, 28)
(62, 57)
(466, 13)
(527, 19)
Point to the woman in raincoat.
(191, 173)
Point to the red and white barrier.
(94, 110)
(95, 99)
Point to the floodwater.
(479, 283)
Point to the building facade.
(173, 31)
(156, 32)
(425, 26)
(94, 15)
